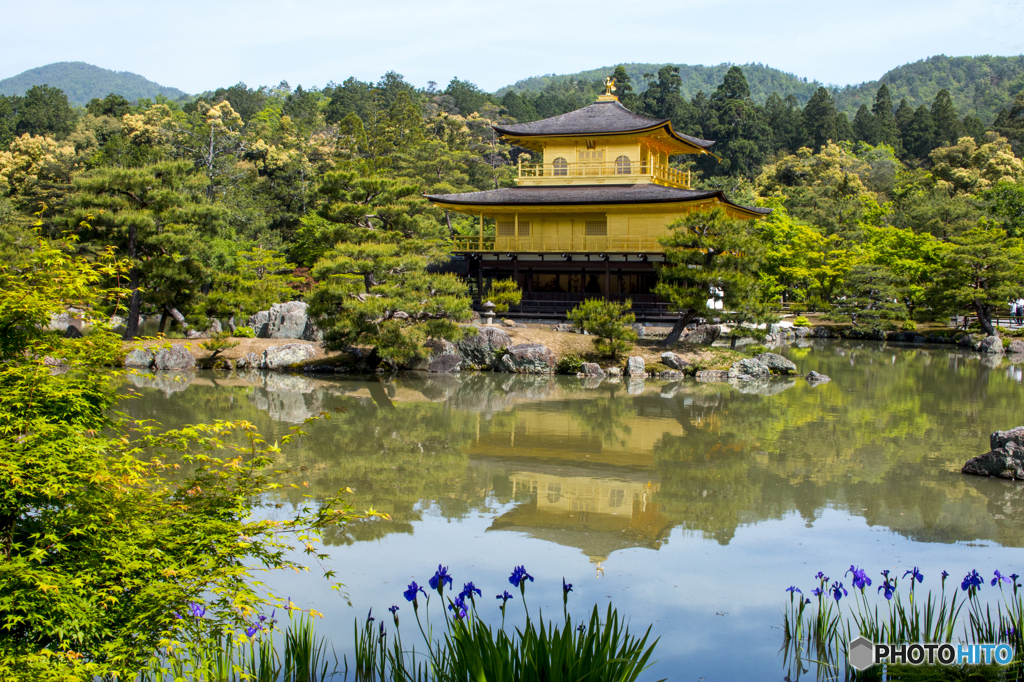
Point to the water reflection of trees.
(884, 441)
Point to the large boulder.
(591, 369)
(776, 363)
(249, 361)
(259, 323)
(635, 367)
(749, 369)
(673, 361)
(282, 357)
(826, 333)
(1006, 460)
(712, 376)
(480, 350)
(527, 358)
(704, 335)
(289, 321)
(445, 364)
(433, 349)
(639, 329)
(175, 358)
(1016, 346)
(139, 358)
(991, 345)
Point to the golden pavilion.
(584, 219)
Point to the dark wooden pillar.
(607, 279)
(480, 279)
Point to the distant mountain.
(978, 85)
(82, 82)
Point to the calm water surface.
(690, 506)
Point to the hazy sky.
(199, 45)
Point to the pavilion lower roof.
(586, 195)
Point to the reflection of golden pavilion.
(582, 508)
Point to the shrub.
(503, 293)
(756, 349)
(801, 321)
(909, 326)
(608, 321)
(569, 364)
(244, 333)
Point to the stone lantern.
(489, 313)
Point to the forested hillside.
(977, 85)
(82, 82)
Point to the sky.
(198, 45)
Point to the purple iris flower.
(1000, 578)
(196, 610)
(972, 581)
(519, 575)
(822, 577)
(860, 578)
(793, 588)
(817, 591)
(838, 591)
(369, 616)
(566, 587)
(440, 578)
(504, 597)
(410, 594)
(459, 607)
(889, 588)
(885, 574)
(394, 613)
(252, 630)
(914, 575)
(468, 589)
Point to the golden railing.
(605, 169)
(559, 244)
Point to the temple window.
(560, 166)
(524, 228)
(597, 228)
(506, 228)
(623, 165)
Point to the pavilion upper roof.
(601, 118)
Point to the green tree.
(820, 119)
(609, 321)
(45, 111)
(920, 136)
(504, 293)
(624, 88)
(947, 126)
(982, 269)
(710, 257)
(864, 125)
(885, 128)
(786, 123)
(156, 217)
(875, 297)
(101, 543)
(255, 280)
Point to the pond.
(691, 507)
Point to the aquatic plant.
(821, 630)
(469, 648)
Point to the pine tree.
(885, 123)
(864, 126)
(624, 89)
(820, 119)
(920, 139)
(947, 125)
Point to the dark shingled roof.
(600, 118)
(582, 195)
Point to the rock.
(139, 358)
(591, 369)
(1003, 462)
(712, 376)
(704, 335)
(999, 439)
(991, 345)
(527, 358)
(510, 323)
(749, 369)
(635, 385)
(639, 329)
(480, 350)
(259, 323)
(445, 364)
(614, 371)
(434, 348)
(289, 321)
(564, 327)
(249, 360)
(635, 367)
(776, 363)
(670, 375)
(1016, 346)
(193, 334)
(670, 359)
(174, 358)
(116, 321)
(815, 379)
(822, 333)
(215, 327)
(965, 341)
(72, 332)
(281, 357)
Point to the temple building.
(587, 210)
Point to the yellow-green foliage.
(801, 321)
(503, 293)
(608, 321)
